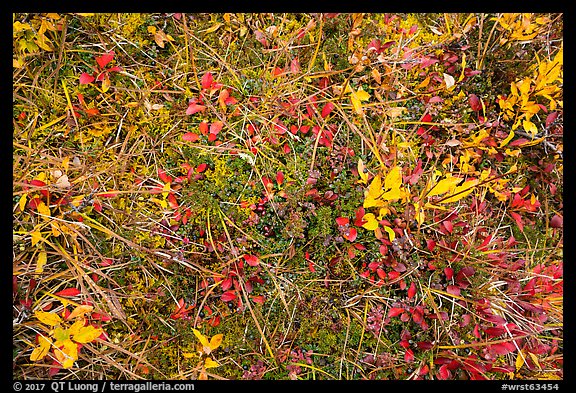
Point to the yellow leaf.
(203, 376)
(463, 67)
(42, 349)
(151, 29)
(80, 311)
(48, 318)
(68, 354)
(209, 363)
(371, 222)
(393, 178)
(390, 233)
(507, 140)
(393, 194)
(61, 336)
(215, 341)
(161, 202)
(519, 360)
(22, 201)
(166, 190)
(41, 262)
(76, 327)
(87, 334)
(374, 193)
(203, 339)
(106, 84)
(530, 127)
(419, 213)
(43, 209)
(361, 173)
(444, 186)
(461, 191)
(357, 97)
(535, 359)
(188, 355)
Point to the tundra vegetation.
(287, 196)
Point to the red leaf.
(327, 109)
(105, 59)
(86, 78)
(203, 127)
(412, 290)
(201, 167)
(476, 331)
(164, 176)
(425, 345)
(228, 296)
(430, 244)
(212, 137)
(216, 127)
(251, 260)
(556, 221)
(100, 317)
(351, 235)
(172, 201)
(106, 262)
(207, 80)
(409, 356)
(395, 311)
(393, 275)
(449, 272)
(474, 102)
(193, 108)
(295, 66)
(97, 206)
(342, 220)
(448, 225)
(453, 290)
(286, 148)
(381, 273)
(518, 220)
(311, 266)
(227, 284)
(279, 177)
(443, 372)
(190, 137)
(550, 118)
(68, 292)
(258, 299)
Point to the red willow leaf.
(342, 221)
(216, 127)
(172, 201)
(227, 284)
(68, 292)
(409, 356)
(164, 176)
(474, 102)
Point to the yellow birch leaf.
(43, 209)
(361, 173)
(42, 349)
(80, 311)
(76, 327)
(357, 97)
(461, 191)
(42, 257)
(209, 363)
(55, 228)
(48, 318)
(373, 193)
(87, 334)
(203, 339)
(393, 178)
(371, 222)
(392, 195)
(215, 341)
(390, 233)
(444, 186)
(419, 213)
(22, 202)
